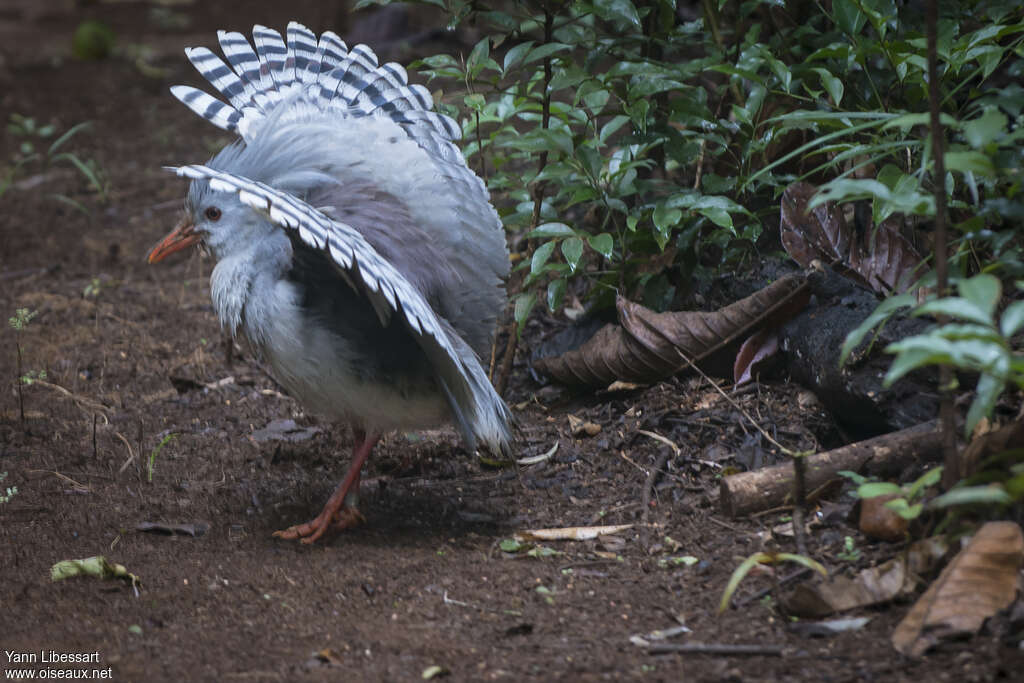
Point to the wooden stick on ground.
(749, 492)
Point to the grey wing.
(479, 410)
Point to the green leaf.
(848, 16)
(885, 310)
(524, 304)
(572, 249)
(955, 307)
(929, 478)
(604, 244)
(986, 395)
(552, 230)
(544, 51)
(556, 293)
(975, 162)
(67, 136)
(983, 291)
(833, 85)
(665, 219)
(717, 216)
(516, 54)
(905, 509)
(541, 256)
(992, 494)
(617, 10)
(738, 575)
(913, 353)
(986, 128)
(479, 54)
(1013, 319)
(613, 125)
(877, 488)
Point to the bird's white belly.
(316, 366)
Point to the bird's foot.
(336, 520)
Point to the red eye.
(212, 213)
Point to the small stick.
(652, 479)
(757, 595)
(131, 453)
(800, 498)
(716, 649)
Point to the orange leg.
(340, 512)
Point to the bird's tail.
(480, 414)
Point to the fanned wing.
(306, 76)
(479, 410)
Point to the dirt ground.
(134, 353)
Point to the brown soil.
(133, 353)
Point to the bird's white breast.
(314, 364)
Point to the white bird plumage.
(348, 165)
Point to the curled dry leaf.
(647, 346)
(759, 346)
(194, 529)
(572, 533)
(97, 566)
(881, 258)
(977, 583)
(840, 593)
(581, 427)
(881, 522)
(284, 430)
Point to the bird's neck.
(242, 282)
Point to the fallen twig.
(89, 406)
(716, 649)
(751, 492)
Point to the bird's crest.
(311, 77)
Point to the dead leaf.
(881, 522)
(758, 347)
(647, 346)
(580, 427)
(880, 258)
(96, 566)
(984, 446)
(976, 584)
(284, 430)
(823, 629)
(572, 533)
(840, 593)
(194, 529)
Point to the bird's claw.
(346, 518)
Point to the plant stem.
(21, 399)
(951, 471)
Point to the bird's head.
(217, 221)
(284, 158)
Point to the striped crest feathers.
(311, 77)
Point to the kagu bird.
(355, 251)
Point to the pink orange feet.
(335, 520)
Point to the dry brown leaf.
(881, 522)
(580, 427)
(649, 346)
(759, 346)
(881, 258)
(839, 593)
(976, 584)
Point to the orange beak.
(182, 237)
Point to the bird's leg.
(340, 512)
